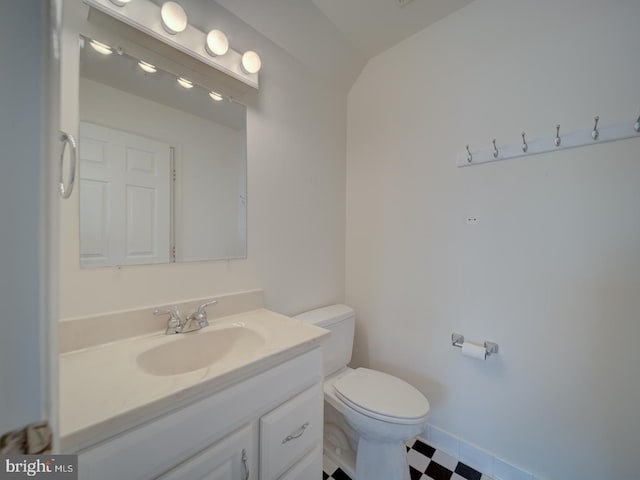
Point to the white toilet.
(366, 411)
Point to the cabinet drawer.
(290, 431)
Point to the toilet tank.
(337, 347)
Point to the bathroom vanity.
(253, 410)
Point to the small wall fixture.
(217, 43)
(120, 3)
(184, 83)
(251, 62)
(174, 18)
(215, 96)
(100, 47)
(147, 67)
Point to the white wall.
(552, 270)
(296, 127)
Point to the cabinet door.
(309, 468)
(227, 459)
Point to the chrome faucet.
(174, 325)
(199, 316)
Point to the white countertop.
(103, 391)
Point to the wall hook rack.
(577, 138)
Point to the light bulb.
(147, 67)
(102, 48)
(217, 43)
(215, 96)
(174, 18)
(251, 62)
(185, 83)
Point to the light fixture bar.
(144, 15)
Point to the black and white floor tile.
(425, 463)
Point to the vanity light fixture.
(100, 47)
(217, 43)
(174, 18)
(215, 96)
(147, 67)
(167, 22)
(184, 83)
(251, 62)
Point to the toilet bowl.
(380, 411)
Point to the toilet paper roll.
(473, 350)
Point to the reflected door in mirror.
(125, 198)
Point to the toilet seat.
(382, 396)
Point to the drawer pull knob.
(297, 434)
(244, 464)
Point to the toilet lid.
(383, 396)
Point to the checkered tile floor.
(425, 463)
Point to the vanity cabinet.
(265, 427)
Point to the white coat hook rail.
(557, 141)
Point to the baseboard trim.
(472, 455)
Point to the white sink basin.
(196, 350)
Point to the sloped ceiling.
(374, 26)
(306, 33)
(336, 38)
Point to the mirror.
(162, 167)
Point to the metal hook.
(495, 149)
(595, 133)
(469, 156)
(525, 147)
(558, 140)
(636, 127)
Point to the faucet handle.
(174, 325)
(201, 308)
(201, 314)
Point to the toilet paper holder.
(457, 340)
